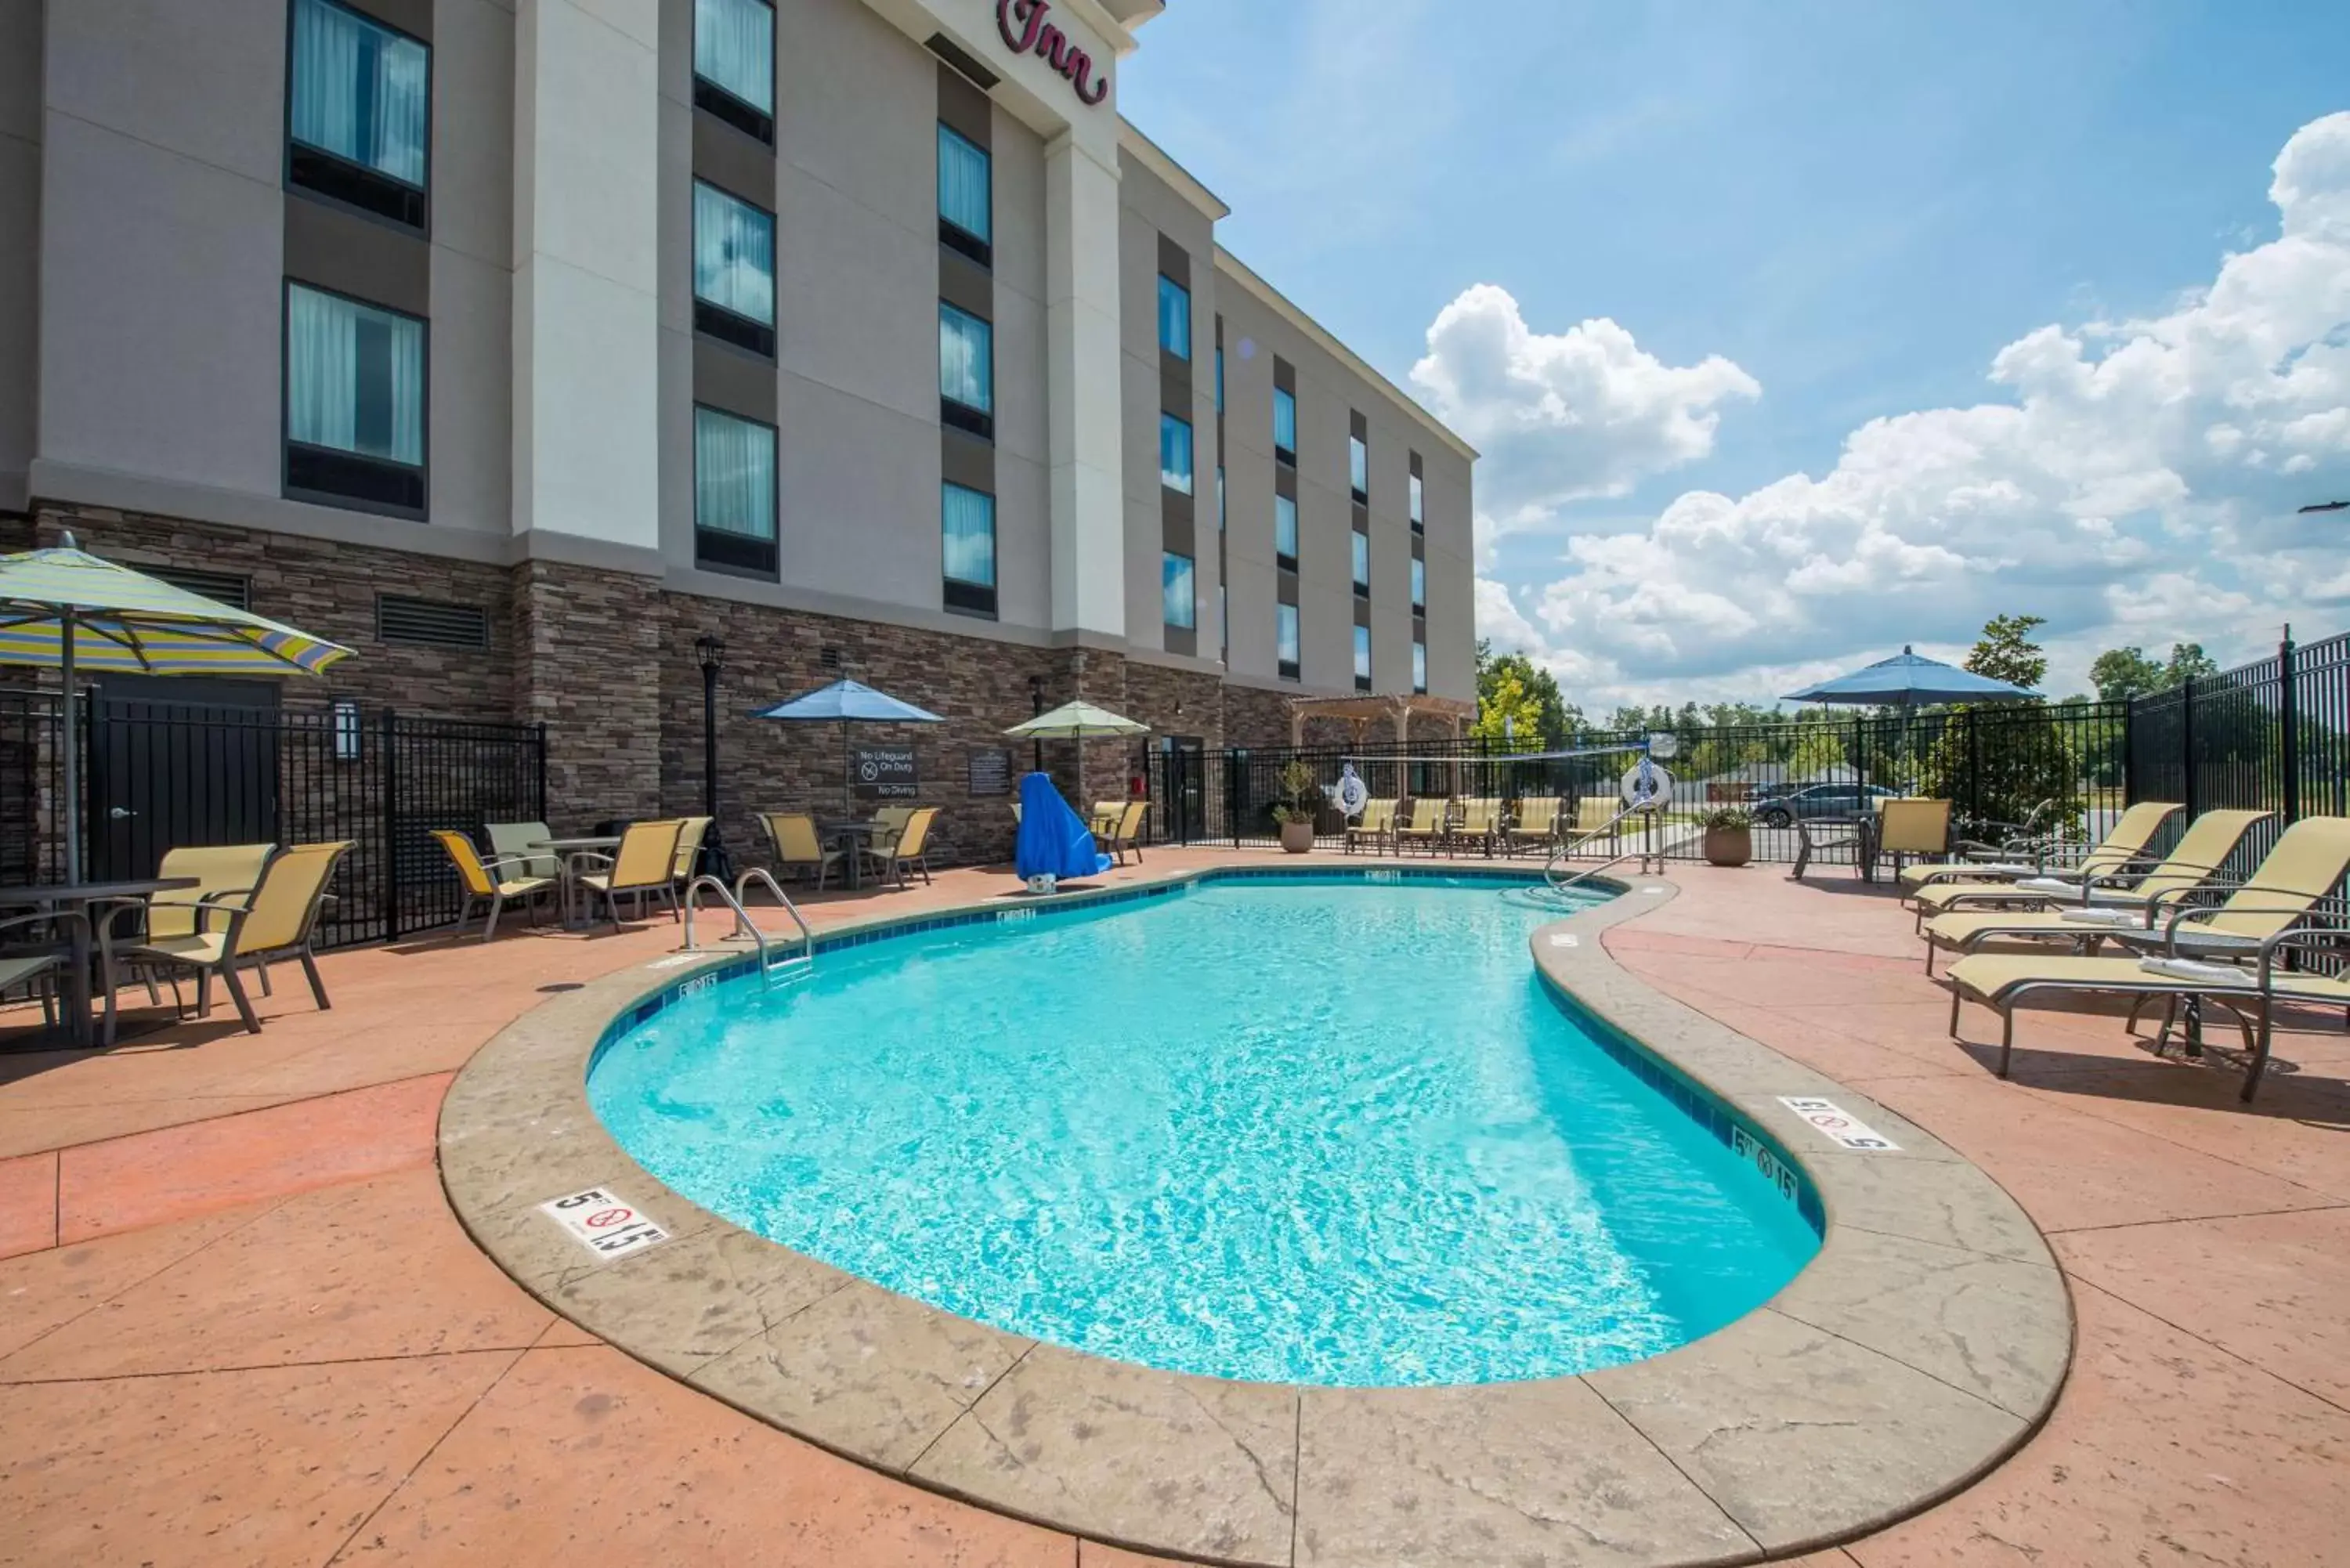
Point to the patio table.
(852, 836)
(571, 849)
(1818, 833)
(77, 898)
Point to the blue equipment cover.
(1054, 840)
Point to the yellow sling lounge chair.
(1374, 828)
(489, 883)
(1425, 825)
(689, 848)
(645, 864)
(1480, 824)
(1536, 826)
(276, 920)
(792, 836)
(1938, 890)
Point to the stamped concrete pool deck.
(242, 1325)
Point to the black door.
(179, 761)
(1187, 802)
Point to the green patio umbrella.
(66, 609)
(1079, 722)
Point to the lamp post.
(712, 651)
(1036, 710)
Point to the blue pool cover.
(1054, 840)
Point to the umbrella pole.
(844, 770)
(73, 762)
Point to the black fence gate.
(157, 776)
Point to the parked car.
(1819, 800)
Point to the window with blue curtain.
(734, 50)
(966, 360)
(1362, 560)
(967, 518)
(1285, 424)
(1363, 656)
(1418, 502)
(1420, 666)
(1284, 527)
(733, 255)
(1359, 465)
(966, 202)
(1285, 636)
(361, 92)
(734, 491)
(354, 377)
(1174, 317)
(1419, 585)
(1175, 452)
(1176, 590)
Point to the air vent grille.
(222, 587)
(429, 623)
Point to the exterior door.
(179, 761)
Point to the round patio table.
(571, 849)
(77, 898)
(852, 835)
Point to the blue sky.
(1800, 218)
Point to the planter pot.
(1297, 838)
(1728, 846)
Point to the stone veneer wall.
(590, 656)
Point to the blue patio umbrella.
(1909, 681)
(846, 702)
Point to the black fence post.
(2289, 715)
(2190, 795)
(538, 750)
(1974, 766)
(2129, 751)
(386, 773)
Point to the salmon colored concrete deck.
(238, 1323)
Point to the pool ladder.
(791, 967)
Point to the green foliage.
(2121, 673)
(1728, 819)
(2025, 756)
(1507, 711)
(1814, 754)
(2189, 662)
(1540, 712)
(2006, 652)
(1297, 784)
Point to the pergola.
(1362, 712)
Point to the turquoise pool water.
(1308, 1131)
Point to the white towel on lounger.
(2122, 919)
(2199, 973)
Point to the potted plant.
(1301, 802)
(1728, 836)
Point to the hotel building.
(522, 344)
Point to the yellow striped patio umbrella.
(66, 609)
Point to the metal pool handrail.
(1564, 851)
(743, 923)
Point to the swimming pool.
(1311, 1129)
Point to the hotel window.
(967, 520)
(734, 270)
(358, 112)
(966, 199)
(1284, 426)
(1420, 669)
(1362, 659)
(734, 64)
(1362, 565)
(1219, 498)
(1284, 532)
(1419, 587)
(966, 371)
(1418, 505)
(1224, 621)
(1174, 317)
(1175, 591)
(1220, 377)
(354, 402)
(1285, 639)
(1175, 453)
(1358, 468)
(734, 492)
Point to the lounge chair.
(1375, 827)
(221, 870)
(520, 841)
(887, 823)
(1536, 826)
(1426, 824)
(1125, 834)
(1938, 889)
(645, 864)
(276, 920)
(689, 848)
(494, 883)
(2249, 987)
(1480, 824)
(37, 965)
(2194, 866)
(1912, 825)
(1596, 815)
(796, 846)
(911, 850)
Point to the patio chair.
(1598, 813)
(793, 839)
(36, 965)
(1912, 825)
(1126, 832)
(1480, 824)
(887, 823)
(1964, 883)
(1431, 818)
(221, 870)
(1536, 826)
(519, 841)
(1375, 827)
(689, 847)
(493, 884)
(909, 851)
(2251, 988)
(2196, 864)
(278, 920)
(645, 864)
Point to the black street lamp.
(711, 650)
(1036, 710)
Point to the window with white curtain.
(733, 269)
(1362, 562)
(733, 491)
(967, 522)
(1418, 668)
(1176, 591)
(360, 111)
(1418, 586)
(1418, 502)
(1285, 638)
(354, 398)
(1175, 453)
(734, 54)
(1219, 498)
(1174, 317)
(966, 370)
(1284, 530)
(1285, 425)
(1363, 657)
(966, 198)
(1358, 467)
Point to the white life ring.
(1351, 792)
(1646, 786)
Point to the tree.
(1552, 717)
(1999, 761)
(2122, 673)
(2006, 652)
(1507, 711)
(2189, 662)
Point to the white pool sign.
(1833, 1123)
(606, 1225)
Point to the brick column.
(588, 652)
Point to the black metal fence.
(2273, 735)
(157, 775)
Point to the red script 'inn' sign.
(1025, 32)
